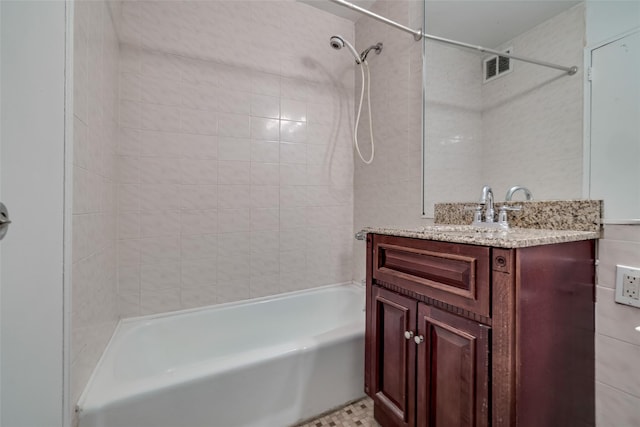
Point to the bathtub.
(264, 362)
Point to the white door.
(32, 183)
(615, 127)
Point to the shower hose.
(364, 66)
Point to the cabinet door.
(452, 370)
(393, 358)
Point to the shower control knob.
(408, 334)
(419, 339)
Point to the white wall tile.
(238, 149)
(265, 84)
(198, 297)
(157, 90)
(265, 129)
(159, 277)
(159, 117)
(235, 125)
(199, 196)
(159, 144)
(291, 152)
(128, 142)
(265, 106)
(265, 196)
(293, 174)
(199, 273)
(293, 131)
(152, 301)
(199, 146)
(198, 247)
(198, 121)
(615, 408)
(154, 250)
(615, 364)
(265, 173)
(264, 219)
(203, 179)
(292, 109)
(195, 171)
(159, 223)
(97, 111)
(159, 196)
(616, 320)
(157, 170)
(201, 96)
(235, 101)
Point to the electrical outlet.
(628, 285)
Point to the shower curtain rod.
(418, 34)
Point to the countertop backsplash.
(577, 215)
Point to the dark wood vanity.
(468, 335)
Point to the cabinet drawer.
(452, 273)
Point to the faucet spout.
(487, 200)
(513, 189)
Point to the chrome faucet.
(513, 189)
(487, 201)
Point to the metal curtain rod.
(418, 34)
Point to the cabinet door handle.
(419, 339)
(408, 334)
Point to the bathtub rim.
(125, 322)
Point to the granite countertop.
(512, 238)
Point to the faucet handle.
(502, 215)
(511, 208)
(477, 214)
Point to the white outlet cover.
(622, 270)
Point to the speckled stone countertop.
(580, 215)
(512, 238)
(539, 222)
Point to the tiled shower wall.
(94, 299)
(235, 161)
(389, 190)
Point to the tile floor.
(356, 414)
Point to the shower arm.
(418, 35)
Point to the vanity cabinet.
(418, 350)
(466, 335)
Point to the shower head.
(337, 42)
(377, 47)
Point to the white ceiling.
(488, 23)
(336, 9)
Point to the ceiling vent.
(496, 66)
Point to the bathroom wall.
(617, 341)
(454, 127)
(474, 131)
(235, 163)
(388, 192)
(506, 131)
(532, 117)
(95, 128)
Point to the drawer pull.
(419, 339)
(408, 334)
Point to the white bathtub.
(264, 362)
